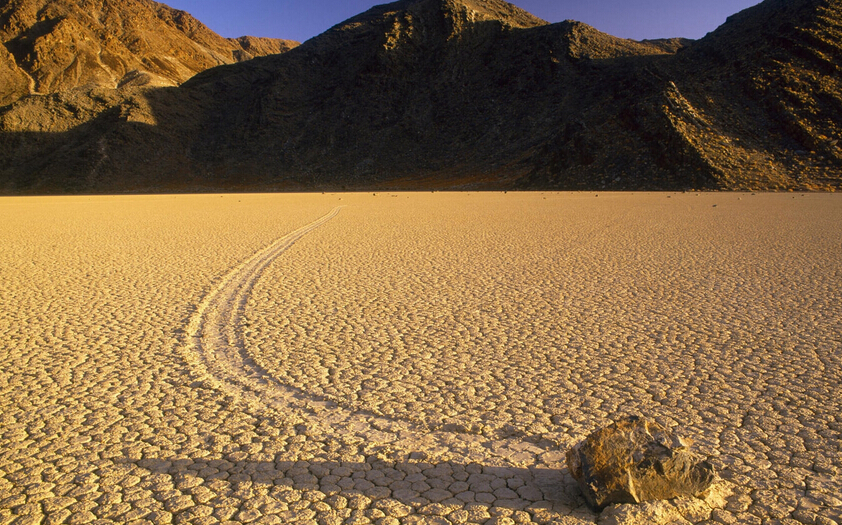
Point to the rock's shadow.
(400, 486)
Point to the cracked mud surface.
(412, 358)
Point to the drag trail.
(216, 347)
(214, 341)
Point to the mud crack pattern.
(417, 358)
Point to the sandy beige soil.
(412, 358)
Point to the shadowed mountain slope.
(55, 45)
(463, 94)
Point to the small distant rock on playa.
(635, 460)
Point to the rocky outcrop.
(443, 94)
(636, 460)
(64, 44)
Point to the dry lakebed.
(413, 358)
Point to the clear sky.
(303, 19)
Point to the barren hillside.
(462, 94)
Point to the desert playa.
(413, 358)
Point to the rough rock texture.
(453, 94)
(677, 511)
(63, 44)
(635, 460)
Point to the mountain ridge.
(462, 94)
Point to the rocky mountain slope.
(768, 86)
(56, 45)
(422, 94)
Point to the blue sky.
(303, 19)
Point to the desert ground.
(409, 358)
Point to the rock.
(635, 460)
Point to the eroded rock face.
(636, 460)
(14, 82)
(58, 45)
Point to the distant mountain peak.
(466, 11)
(425, 24)
(586, 42)
(485, 10)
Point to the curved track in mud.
(215, 345)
